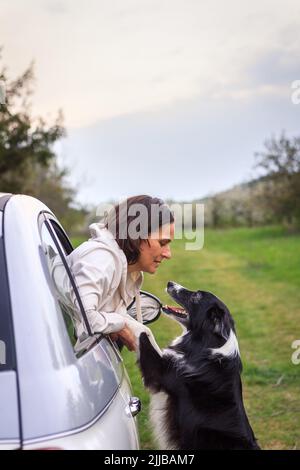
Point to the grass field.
(256, 272)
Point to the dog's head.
(202, 313)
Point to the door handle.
(135, 405)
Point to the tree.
(281, 166)
(28, 163)
(217, 211)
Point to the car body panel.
(103, 433)
(9, 429)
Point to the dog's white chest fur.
(158, 410)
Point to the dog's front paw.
(150, 362)
(143, 346)
(144, 340)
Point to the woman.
(108, 268)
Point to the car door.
(54, 396)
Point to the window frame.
(7, 328)
(61, 240)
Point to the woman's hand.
(127, 337)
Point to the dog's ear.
(217, 317)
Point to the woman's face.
(158, 249)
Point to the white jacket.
(99, 267)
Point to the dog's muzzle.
(176, 311)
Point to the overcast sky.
(166, 97)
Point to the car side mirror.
(150, 307)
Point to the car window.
(56, 246)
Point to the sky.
(164, 97)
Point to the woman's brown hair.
(121, 216)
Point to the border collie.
(195, 385)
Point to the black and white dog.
(195, 385)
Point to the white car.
(51, 395)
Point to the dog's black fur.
(203, 404)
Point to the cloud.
(181, 93)
(192, 148)
(57, 7)
(115, 58)
(275, 67)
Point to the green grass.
(256, 272)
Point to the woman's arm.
(97, 273)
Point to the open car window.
(56, 247)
